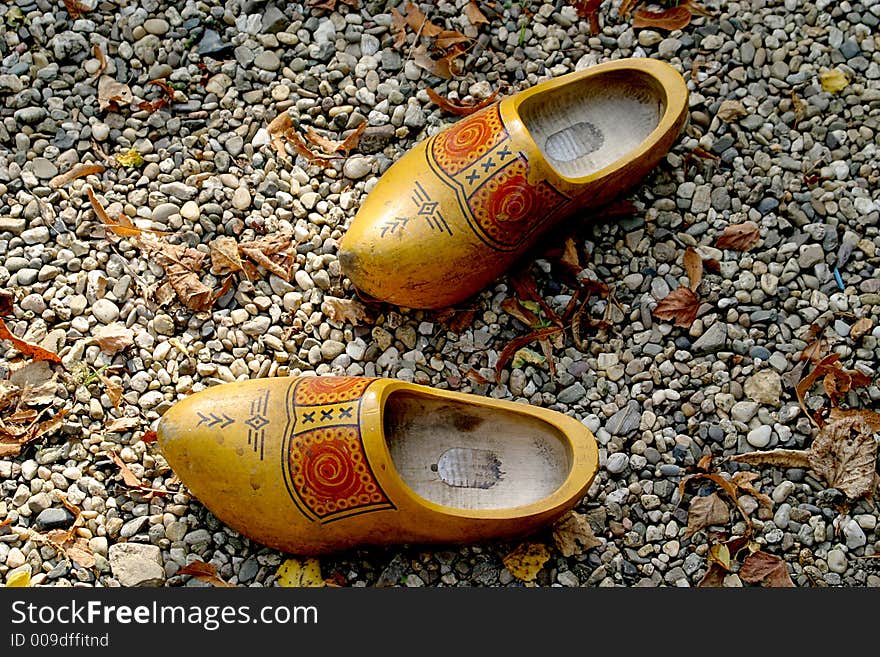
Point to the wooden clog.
(458, 209)
(311, 465)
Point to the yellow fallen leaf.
(295, 573)
(526, 561)
(573, 535)
(130, 158)
(720, 554)
(833, 80)
(21, 579)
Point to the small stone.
(105, 311)
(54, 518)
(157, 26)
(241, 198)
(268, 61)
(625, 421)
(39, 502)
(190, 211)
(356, 168)
(713, 340)
(36, 235)
(572, 394)
(617, 463)
(854, 535)
(836, 561)
(743, 411)
(759, 438)
(136, 564)
(43, 168)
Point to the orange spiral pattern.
(465, 142)
(311, 391)
(507, 208)
(329, 471)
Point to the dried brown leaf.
(75, 8)
(870, 418)
(457, 107)
(570, 258)
(344, 310)
(860, 328)
(512, 306)
(224, 255)
(706, 511)
(674, 18)
(102, 60)
(450, 38)
(814, 351)
(456, 321)
(274, 253)
(780, 458)
(419, 23)
(301, 149)
(680, 306)
(844, 453)
(474, 15)
(626, 7)
(439, 67)
(767, 569)
(113, 390)
(122, 226)
(113, 338)
(739, 237)
(573, 535)
(204, 572)
(398, 28)
(517, 343)
(714, 577)
(744, 481)
(33, 351)
(182, 266)
(693, 265)
(112, 95)
(76, 171)
(150, 437)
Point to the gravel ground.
(801, 162)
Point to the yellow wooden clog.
(311, 465)
(459, 208)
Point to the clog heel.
(459, 208)
(311, 465)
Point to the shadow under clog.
(459, 208)
(311, 465)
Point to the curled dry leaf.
(76, 171)
(296, 573)
(130, 479)
(274, 252)
(102, 60)
(739, 237)
(204, 572)
(780, 458)
(706, 511)
(459, 108)
(419, 23)
(518, 343)
(674, 18)
(122, 226)
(845, 454)
(330, 146)
(474, 15)
(456, 321)
(714, 577)
(767, 569)
(398, 27)
(573, 535)
(113, 338)
(442, 68)
(224, 255)
(719, 553)
(33, 351)
(526, 561)
(343, 310)
(693, 265)
(112, 95)
(113, 389)
(75, 8)
(679, 306)
(513, 306)
(22, 428)
(731, 110)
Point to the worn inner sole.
(588, 124)
(467, 457)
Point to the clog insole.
(473, 457)
(589, 124)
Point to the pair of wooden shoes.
(318, 464)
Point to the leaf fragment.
(844, 453)
(739, 237)
(780, 458)
(766, 569)
(517, 343)
(679, 306)
(474, 15)
(457, 107)
(706, 511)
(860, 328)
(693, 265)
(204, 572)
(833, 80)
(182, 265)
(673, 18)
(573, 535)
(112, 95)
(344, 310)
(36, 352)
(526, 561)
(76, 171)
(296, 573)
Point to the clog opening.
(471, 457)
(593, 122)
